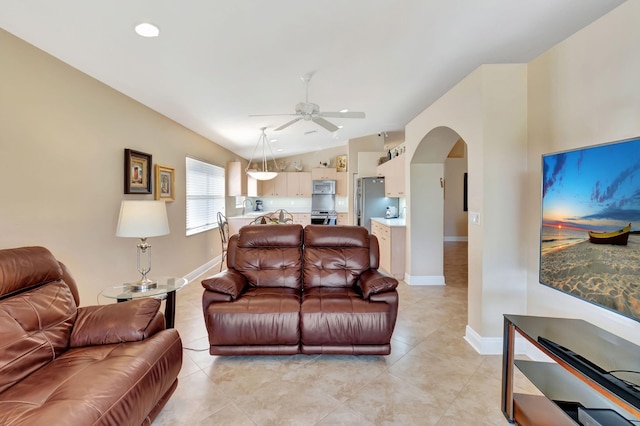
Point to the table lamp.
(143, 219)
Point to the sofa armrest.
(229, 282)
(116, 323)
(374, 281)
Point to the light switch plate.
(474, 218)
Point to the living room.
(64, 133)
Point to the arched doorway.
(426, 207)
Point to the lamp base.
(143, 285)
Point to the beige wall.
(583, 92)
(488, 111)
(313, 159)
(62, 137)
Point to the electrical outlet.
(474, 218)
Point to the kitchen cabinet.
(343, 218)
(341, 184)
(238, 182)
(565, 379)
(324, 173)
(234, 179)
(393, 172)
(298, 184)
(276, 187)
(303, 219)
(252, 186)
(391, 234)
(235, 223)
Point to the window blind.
(205, 195)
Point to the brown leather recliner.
(289, 290)
(61, 364)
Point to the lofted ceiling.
(217, 62)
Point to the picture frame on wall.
(165, 183)
(137, 172)
(341, 163)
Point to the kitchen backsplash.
(296, 204)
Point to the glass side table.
(167, 287)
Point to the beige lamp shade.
(142, 219)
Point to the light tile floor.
(432, 377)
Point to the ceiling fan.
(309, 111)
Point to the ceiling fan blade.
(287, 124)
(324, 123)
(269, 115)
(350, 114)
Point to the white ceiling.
(216, 62)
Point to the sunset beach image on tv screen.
(590, 234)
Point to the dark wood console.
(564, 383)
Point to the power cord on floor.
(195, 350)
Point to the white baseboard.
(203, 268)
(493, 346)
(454, 239)
(483, 345)
(424, 279)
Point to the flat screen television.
(590, 233)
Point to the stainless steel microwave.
(326, 187)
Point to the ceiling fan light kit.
(308, 111)
(265, 174)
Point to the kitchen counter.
(390, 222)
(236, 222)
(253, 214)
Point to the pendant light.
(265, 174)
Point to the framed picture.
(341, 163)
(137, 172)
(165, 179)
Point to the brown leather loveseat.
(289, 290)
(61, 364)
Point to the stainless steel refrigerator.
(371, 200)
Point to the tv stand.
(583, 357)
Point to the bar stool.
(223, 227)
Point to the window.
(205, 195)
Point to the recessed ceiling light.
(147, 30)
(273, 140)
(340, 127)
(279, 150)
(344, 110)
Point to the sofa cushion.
(261, 316)
(121, 322)
(229, 282)
(270, 255)
(334, 256)
(96, 385)
(339, 316)
(374, 282)
(25, 267)
(34, 330)
(270, 236)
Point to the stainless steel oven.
(323, 203)
(324, 217)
